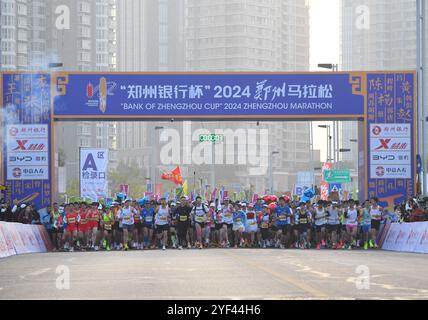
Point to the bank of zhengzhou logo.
(13, 131)
(376, 130)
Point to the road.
(216, 274)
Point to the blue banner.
(27, 143)
(208, 95)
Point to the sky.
(324, 48)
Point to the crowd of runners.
(198, 224)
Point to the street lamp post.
(329, 159)
(270, 171)
(154, 158)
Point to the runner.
(351, 221)
(210, 225)
(333, 225)
(148, 214)
(107, 222)
(94, 221)
(84, 226)
(199, 216)
(71, 218)
(162, 219)
(251, 226)
(227, 223)
(126, 215)
(173, 226)
(183, 216)
(303, 221)
(265, 222)
(57, 227)
(239, 222)
(217, 226)
(117, 227)
(366, 223)
(376, 217)
(138, 228)
(282, 223)
(320, 218)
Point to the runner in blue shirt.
(282, 223)
(147, 217)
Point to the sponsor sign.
(390, 171)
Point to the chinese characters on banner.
(27, 132)
(206, 95)
(27, 152)
(390, 133)
(93, 173)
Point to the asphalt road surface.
(216, 274)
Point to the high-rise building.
(255, 36)
(241, 35)
(150, 38)
(88, 45)
(387, 41)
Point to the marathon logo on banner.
(93, 173)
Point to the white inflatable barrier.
(407, 237)
(17, 238)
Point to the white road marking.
(39, 272)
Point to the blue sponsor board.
(390, 127)
(207, 95)
(27, 131)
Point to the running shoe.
(108, 248)
(323, 243)
(126, 247)
(180, 248)
(366, 245)
(318, 246)
(71, 249)
(163, 248)
(371, 244)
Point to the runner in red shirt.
(71, 218)
(94, 218)
(84, 225)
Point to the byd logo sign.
(385, 144)
(23, 145)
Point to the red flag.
(173, 176)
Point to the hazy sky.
(324, 48)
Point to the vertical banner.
(27, 131)
(391, 136)
(93, 173)
(324, 185)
